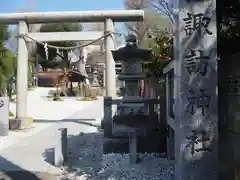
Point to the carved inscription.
(196, 62)
(130, 111)
(198, 137)
(196, 22)
(198, 101)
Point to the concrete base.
(20, 123)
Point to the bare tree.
(138, 28)
(162, 6)
(153, 20)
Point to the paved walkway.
(42, 109)
(31, 151)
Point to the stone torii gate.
(22, 19)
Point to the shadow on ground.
(11, 171)
(80, 121)
(15, 172)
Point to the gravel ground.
(86, 162)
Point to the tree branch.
(163, 6)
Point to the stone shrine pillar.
(195, 90)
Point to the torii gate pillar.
(110, 71)
(22, 79)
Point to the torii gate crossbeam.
(73, 16)
(22, 19)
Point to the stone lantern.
(131, 114)
(131, 57)
(95, 82)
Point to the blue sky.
(8, 6)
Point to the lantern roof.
(131, 51)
